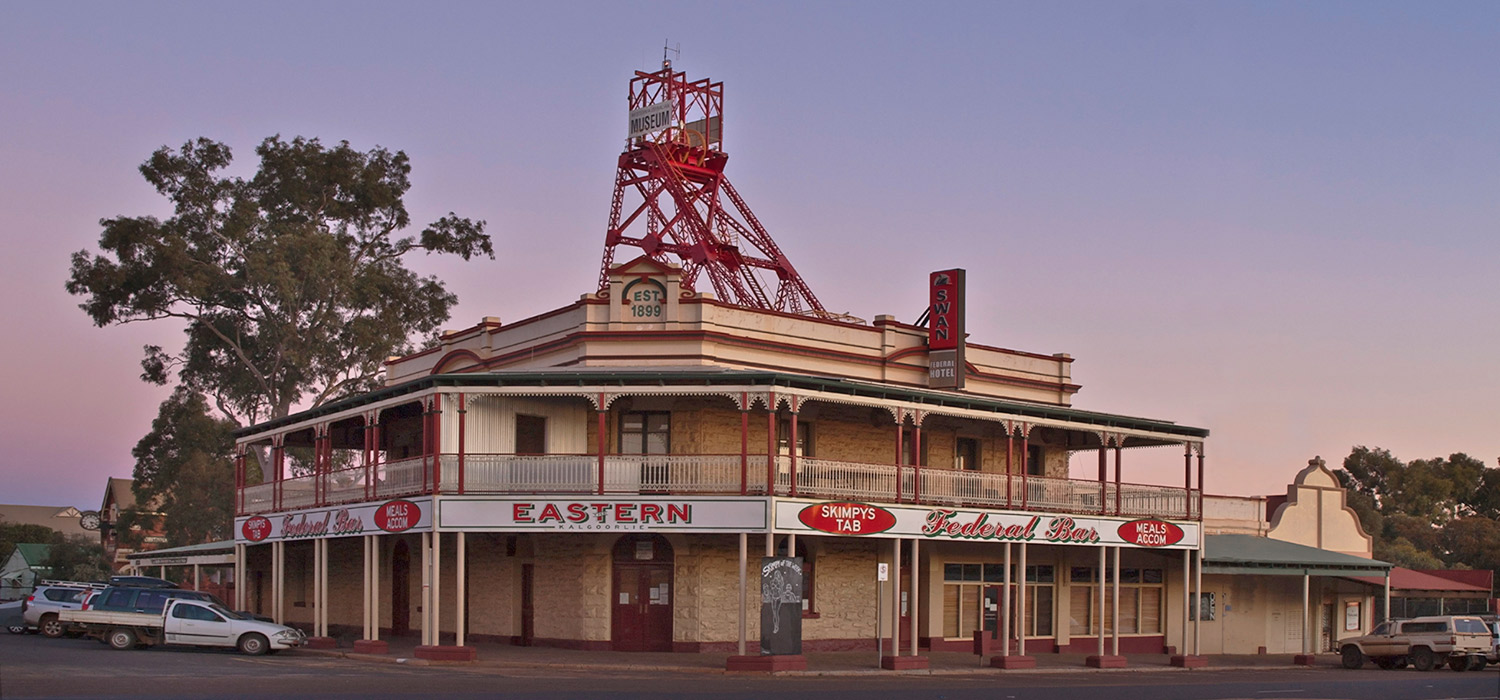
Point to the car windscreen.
(226, 612)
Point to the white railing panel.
(400, 478)
(258, 498)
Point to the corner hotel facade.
(607, 475)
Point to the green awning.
(1263, 556)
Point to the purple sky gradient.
(1277, 221)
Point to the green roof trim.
(1249, 554)
(220, 547)
(626, 377)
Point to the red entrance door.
(642, 594)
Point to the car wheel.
(254, 644)
(1458, 663)
(1422, 659)
(51, 626)
(1353, 657)
(121, 639)
(16, 629)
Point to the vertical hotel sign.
(945, 330)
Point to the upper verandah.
(646, 319)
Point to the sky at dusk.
(1274, 220)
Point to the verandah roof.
(1249, 554)
(623, 377)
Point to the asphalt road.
(34, 667)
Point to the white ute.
(184, 622)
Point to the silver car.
(40, 609)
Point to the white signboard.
(976, 525)
(601, 514)
(389, 517)
(650, 119)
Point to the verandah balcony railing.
(718, 475)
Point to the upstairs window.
(646, 433)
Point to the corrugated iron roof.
(1249, 554)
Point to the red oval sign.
(1151, 533)
(256, 529)
(847, 518)
(396, 516)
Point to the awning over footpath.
(207, 554)
(1263, 556)
(1405, 580)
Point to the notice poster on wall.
(780, 605)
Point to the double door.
(641, 618)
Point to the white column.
(1005, 605)
(1306, 585)
(1187, 600)
(916, 569)
(239, 577)
(426, 589)
(896, 597)
(1114, 647)
(364, 588)
(1099, 597)
(744, 561)
(375, 587)
(1021, 606)
(460, 590)
(1387, 594)
(323, 588)
(317, 602)
(278, 583)
(437, 588)
(1198, 594)
(197, 585)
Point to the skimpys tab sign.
(847, 518)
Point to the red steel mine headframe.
(683, 207)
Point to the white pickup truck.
(184, 622)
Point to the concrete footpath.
(500, 657)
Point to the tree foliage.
(292, 290)
(77, 558)
(186, 465)
(291, 284)
(1428, 513)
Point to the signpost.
(882, 574)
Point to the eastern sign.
(602, 514)
(975, 525)
(1151, 533)
(650, 119)
(337, 521)
(847, 518)
(945, 329)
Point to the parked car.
(142, 600)
(185, 621)
(1464, 642)
(1494, 627)
(39, 610)
(141, 582)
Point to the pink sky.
(1277, 221)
